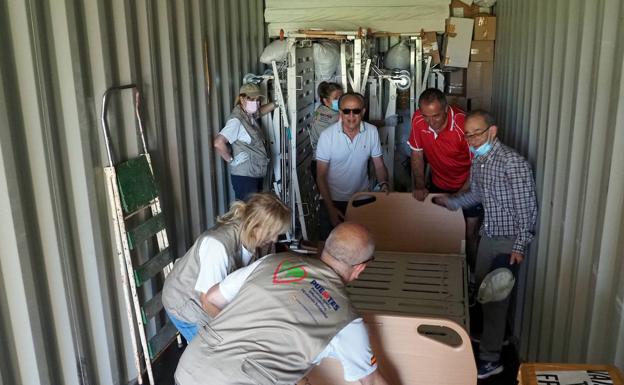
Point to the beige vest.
(256, 165)
(284, 315)
(179, 296)
(323, 118)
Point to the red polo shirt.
(447, 152)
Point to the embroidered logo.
(373, 360)
(289, 272)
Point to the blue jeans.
(245, 185)
(188, 330)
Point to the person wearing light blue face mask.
(327, 113)
(242, 143)
(503, 182)
(482, 149)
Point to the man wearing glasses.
(438, 136)
(342, 155)
(276, 318)
(502, 181)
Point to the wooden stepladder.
(141, 243)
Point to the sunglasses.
(355, 111)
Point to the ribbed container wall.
(559, 98)
(62, 318)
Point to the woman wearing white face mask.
(242, 143)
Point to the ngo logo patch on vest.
(289, 272)
(325, 294)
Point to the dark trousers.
(245, 185)
(324, 223)
(494, 313)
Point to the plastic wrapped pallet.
(276, 51)
(398, 57)
(326, 56)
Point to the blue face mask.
(481, 150)
(335, 105)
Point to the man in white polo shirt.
(342, 155)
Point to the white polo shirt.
(348, 159)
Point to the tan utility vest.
(179, 296)
(256, 165)
(284, 315)
(323, 118)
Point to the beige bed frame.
(409, 352)
(413, 296)
(401, 223)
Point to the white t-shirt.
(234, 130)
(348, 160)
(213, 263)
(350, 346)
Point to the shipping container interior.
(550, 72)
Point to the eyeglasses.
(355, 111)
(371, 259)
(476, 133)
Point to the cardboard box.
(457, 40)
(485, 28)
(482, 50)
(430, 47)
(482, 11)
(565, 374)
(461, 9)
(479, 80)
(456, 82)
(466, 9)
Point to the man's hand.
(441, 200)
(420, 194)
(335, 216)
(516, 258)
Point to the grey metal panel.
(558, 90)
(61, 307)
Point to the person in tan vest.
(233, 243)
(278, 317)
(242, 143)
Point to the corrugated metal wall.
(61, 313)
(559, 97)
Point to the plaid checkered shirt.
(503, 182)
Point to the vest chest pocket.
(194, 313)
(209, 336)
(257, 373)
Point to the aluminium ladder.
(140, 229)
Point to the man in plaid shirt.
(502, 181)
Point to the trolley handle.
(105, 129)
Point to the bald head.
(350, 243)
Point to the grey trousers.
(494, 313)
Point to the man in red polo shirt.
(438, 136)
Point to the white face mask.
(251, 106)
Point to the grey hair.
(347, 251)
(483, 114)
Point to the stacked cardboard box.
(468, 55)
(481, 66)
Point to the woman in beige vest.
(325, 115)
(242, 142)
(233, 243)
